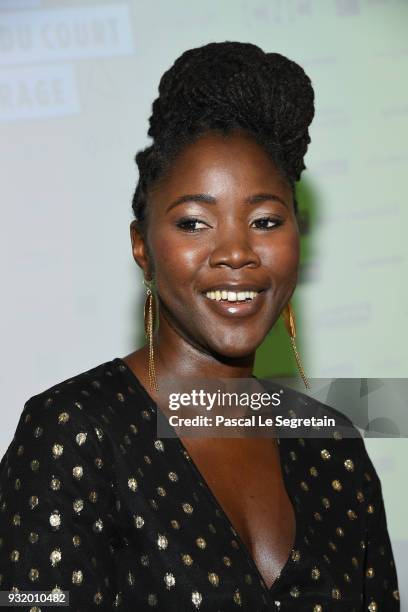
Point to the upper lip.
(235, 287)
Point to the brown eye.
(188, 224)
(268, 223)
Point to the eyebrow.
(208, 199)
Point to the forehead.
(216, 161)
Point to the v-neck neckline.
(190, 462)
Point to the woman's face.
(222, 219)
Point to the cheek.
(177, 261)
(281, 257)
(282, 261)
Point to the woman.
(92, 501)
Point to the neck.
(176, 354)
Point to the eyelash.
(185, 220)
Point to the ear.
(139, 249)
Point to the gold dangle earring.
(289, 319)
(149, 324)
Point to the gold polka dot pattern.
(91, 502)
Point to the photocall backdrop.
(77, 80)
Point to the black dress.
(91, 502)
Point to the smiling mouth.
(223, 295)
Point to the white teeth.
(231, 296)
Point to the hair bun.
(231, 84)
(227, 85)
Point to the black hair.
(225, 86)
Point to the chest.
(245, 477)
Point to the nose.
(233, 248)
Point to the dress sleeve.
(380, 575)
(56, 507)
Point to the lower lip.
(236, 309)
